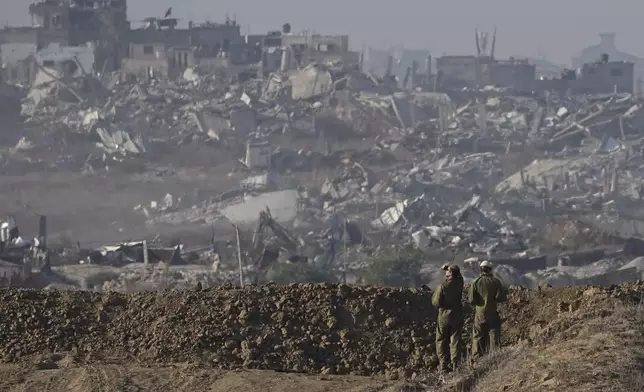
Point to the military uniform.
(447, 299)
(485, 293)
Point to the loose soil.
(299, 336)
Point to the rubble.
(476, 172)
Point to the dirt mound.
(576, 339)
(300, 328)
(297, 328)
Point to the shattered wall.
(13, 57)
(311, 82)
(322, 43)
(144, 57)
(19, 59)
(79, 58)
(169, 52)
(321, 48)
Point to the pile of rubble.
(332, 151)
(298, 328)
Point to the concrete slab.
(283, 206)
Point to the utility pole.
(145, 252)
(239, 258)
(344, 252)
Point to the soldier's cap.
(452, 268)
(485, 263)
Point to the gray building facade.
(605, 77)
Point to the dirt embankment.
(573, 339)
(297, 328)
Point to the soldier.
(447, 299)
(485, 293)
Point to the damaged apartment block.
(163, 50)
(96, 26)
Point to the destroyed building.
(606, 76)
(297, 50)
(161, 48)
(413, 66)
(320, 48)
(80, 21)
(63, 23)
(483, 69)
(475, 71)
(607, 45)
(519, 75)
(65, 60)
(463, 70)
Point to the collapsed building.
(64, 24)
(607, 45)
(159, 47)
(162, 49)
(483, 69)
(602, 76)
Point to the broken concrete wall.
(147, 57)
(282, 204)
(13, 62)
(311, 82)
(70, 60)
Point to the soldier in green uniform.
(447, 299)
(485, 293)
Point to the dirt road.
(132, 378)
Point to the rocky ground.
(73, 339)
(591, 341)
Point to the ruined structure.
(298, 50)
(518, 75)
(484, 69)
(66, 23)
(162, 48)
(463, 71)
(606, 76)
(607, 45)
(410, 67)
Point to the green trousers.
(448, 342)
(485, 337)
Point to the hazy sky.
(556, 28)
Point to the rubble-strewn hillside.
(297, 328)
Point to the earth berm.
(386, 333)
